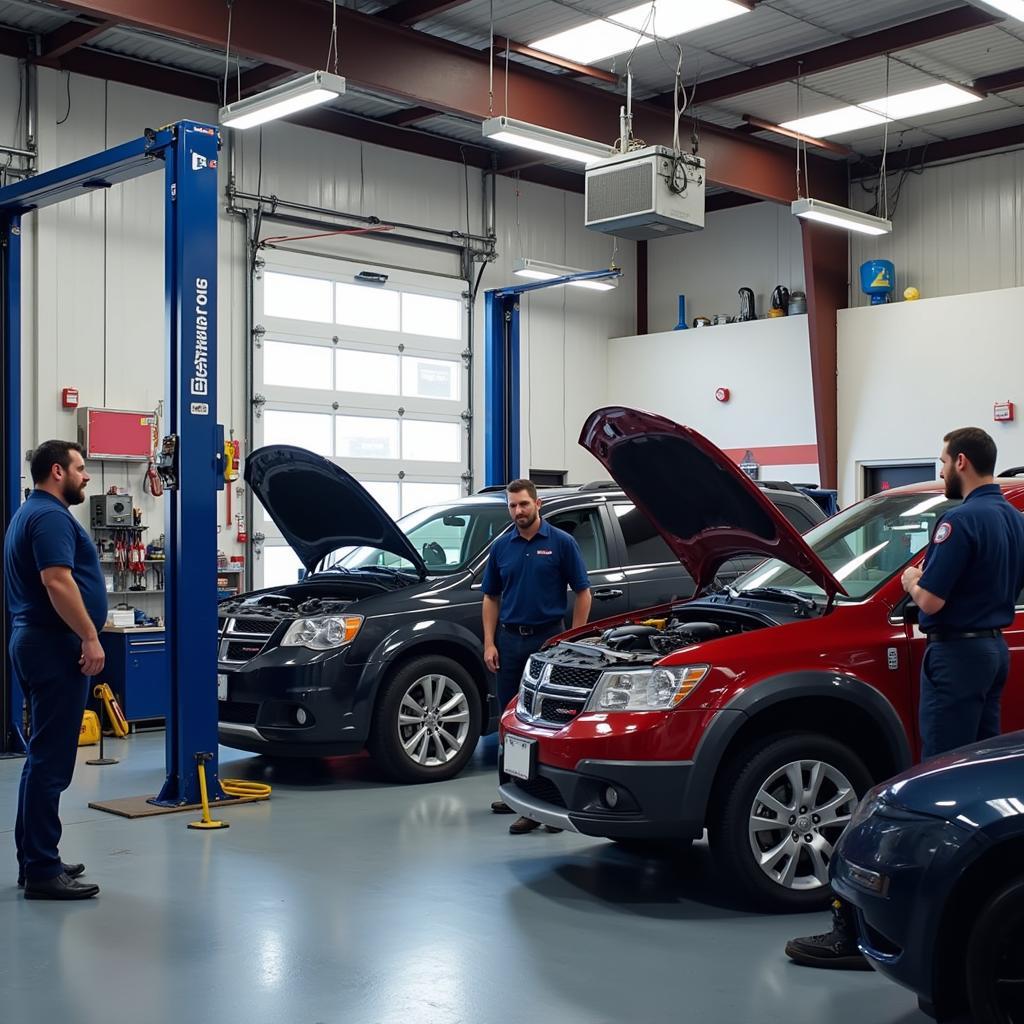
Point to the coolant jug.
(877, 279)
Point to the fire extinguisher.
(232, 458)
(242, 535)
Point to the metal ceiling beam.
(759, 124)
(850, 51)
(503, 44)
(127, 71)
(408, 12)
(947, 149)
(409, 116)
(14, 43)
(1004, 81)
(263, 77)
(69, 37)
(389, 60)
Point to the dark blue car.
(933, 860)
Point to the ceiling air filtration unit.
(647, 193)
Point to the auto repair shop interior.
(295, 272)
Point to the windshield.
(863, 546)
(447, 538)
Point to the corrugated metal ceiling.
(31, 17)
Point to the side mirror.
(911, 613)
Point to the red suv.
(761, 710)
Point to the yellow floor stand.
(206, 822)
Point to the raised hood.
(318, 507)
(706, 508)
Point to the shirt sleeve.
(574, 566)
(491, 584)
(947, 557)
(53, 541)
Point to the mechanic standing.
(967, 593)
(525, 599)
(58, 603)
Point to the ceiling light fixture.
(834, 122)
(840, 217)
(282, 100)
(544, 140)
(1014, 8)
(538, 270)
(618, 33)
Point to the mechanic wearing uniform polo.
(525, 599)
(58, 603)
(967, 593)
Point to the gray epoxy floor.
(343, 900)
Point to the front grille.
(566, 675)
(556, 694)
(239, 711)
(262, 627)
(242, 639)
(541, 788)
(241, 650)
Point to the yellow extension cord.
(243, 787)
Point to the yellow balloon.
(911, 293)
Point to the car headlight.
(656, 689)
(871, 802)
(324, 633)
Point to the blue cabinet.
(137, 671)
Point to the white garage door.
(371, 376)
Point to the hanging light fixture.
(840, 216)
(282, 100)
(544, 140)
(538, 270)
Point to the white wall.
(912, 371)
(756, 246)
(957, 228)
(764, 364)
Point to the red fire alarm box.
(69, 398)
(1002, 412)
(116, 434)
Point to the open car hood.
(704, 506)
(318, 507)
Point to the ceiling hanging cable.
(333, 46)
(490, 66)
(882, 194)
(227, 54)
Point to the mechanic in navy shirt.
(525, 599)
(57, 599)
(967, 592)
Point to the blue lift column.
(193, 453)
(501, 372)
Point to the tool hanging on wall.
(232, 459)
(242, 536)
(152, 482)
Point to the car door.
(588, 525)
(652, 574)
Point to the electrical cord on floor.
(245, 788)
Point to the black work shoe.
(59, 888)
(523, 825)
(836, 949)
(71, 870)
(500, 807)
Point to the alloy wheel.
(796, 819)
(433, 720)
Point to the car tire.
(994, 953)
(405, 742)
(784, 867)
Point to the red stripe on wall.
(778, 454)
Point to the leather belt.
(971, 634)
(530, 630)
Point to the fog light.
(301, 717)
(611, 796)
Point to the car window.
(644, 545)
(797, 517)
(584, 524)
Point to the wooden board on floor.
(139, 807)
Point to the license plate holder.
(520, 757)
(222, 686)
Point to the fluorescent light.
(921, 101)
(840, 217)
(282, 100)
(835, 122)
(544, 140)
(538, 270)
(1014, 8)
(618, 33)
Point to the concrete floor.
(343, 900)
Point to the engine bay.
(283, 608)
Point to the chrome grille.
(242, 639)
(554, 694)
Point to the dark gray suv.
(380, 646)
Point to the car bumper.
(898, 871)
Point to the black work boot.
(836, 949)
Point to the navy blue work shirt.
(44, 534)
(531, 576)
(975, 562)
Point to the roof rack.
(600, 485)
(496, 488)
(1013, 471)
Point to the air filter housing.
(647, 193)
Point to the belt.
(971, 634)
(530, 630)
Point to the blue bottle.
(878, 279)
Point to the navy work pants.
(513, 653)
(47, 668)
(961, 687)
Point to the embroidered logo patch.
(943, 532)
(544, 551)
